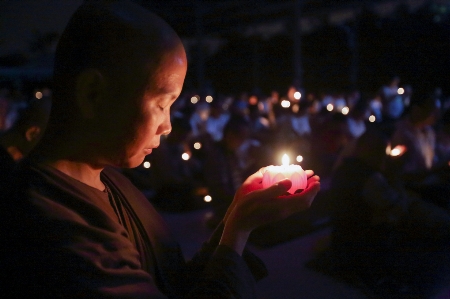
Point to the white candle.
(295, 173)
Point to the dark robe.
(69, 240)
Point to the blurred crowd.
(383, 159)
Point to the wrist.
(234, 238)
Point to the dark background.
(377, 40)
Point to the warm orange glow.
(398, 150)
(253, 100)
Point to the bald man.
(78, 228)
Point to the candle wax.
(295, 173)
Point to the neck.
(81, 171)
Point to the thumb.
(278, 189)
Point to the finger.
(255, 178)
(314, 178)
(309, 173)
(277, 189)
(311, 189)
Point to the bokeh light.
(345, 110)
(197, 145)
(194, 99)
(330, 107)
(285, 104)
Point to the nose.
(166, 127)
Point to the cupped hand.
(254, 206)
(254, 182)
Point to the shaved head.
(110, 54)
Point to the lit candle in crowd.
(295, 173)
(397, 151)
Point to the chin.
(129, 162)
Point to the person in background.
(389, 239)
(227, 163)
(176, 171)
(416, 132)
(77, 228)
(393, 105)
(18, 141)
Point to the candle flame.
(285, 160)
(398, 150)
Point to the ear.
(32, 133)
(90, 90)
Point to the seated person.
(382, 234)
(419, 166)
(415, 131)
(227, 163)
(77, 228)
(176, 180)
(19, 140)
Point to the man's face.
(144, 121)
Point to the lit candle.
(295, 173)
